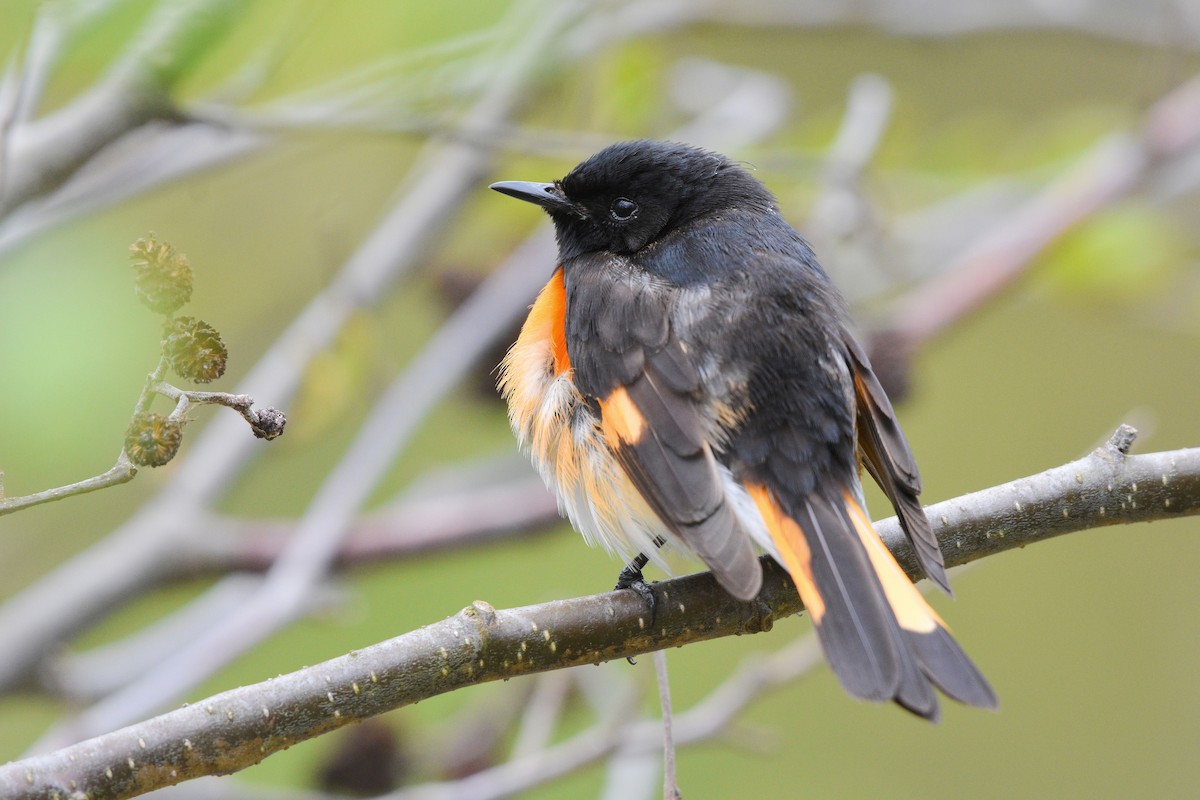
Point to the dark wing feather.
(673, 467)
(887, 457)
(626, 358)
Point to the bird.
(688, 376)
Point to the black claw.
(643, 589)
(632, 578)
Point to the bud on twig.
(194, 349)
(269, 424)
(152, 440)
(163, 278)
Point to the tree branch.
(238, 728)
(1106, 487)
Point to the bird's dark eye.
(623, 209)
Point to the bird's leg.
(631, 578)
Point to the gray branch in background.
(240, 727)
(43, 152)
(135, 555)
(1170, 24)
(1113, 168)
(497, 497)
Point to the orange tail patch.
(912, 612)
(793, 549)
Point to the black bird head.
(630, 194)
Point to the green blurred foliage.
(1089, 640)
(1119, 256)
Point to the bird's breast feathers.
(563, 436)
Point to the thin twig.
(670, 782)
(122, 471)
(266, 423)
(118, 473)
(263, 424)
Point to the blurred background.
(1006, 191)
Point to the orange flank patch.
(910, 608)
(547, 321)
(535, 375)
(620, 418)
(793, 549)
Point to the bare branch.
(416, 524)
(266, 423)
(1115, 19)
(1106, 487)
(122, 471)
(480, 644)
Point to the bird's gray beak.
(546, 195)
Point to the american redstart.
(688, 374)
